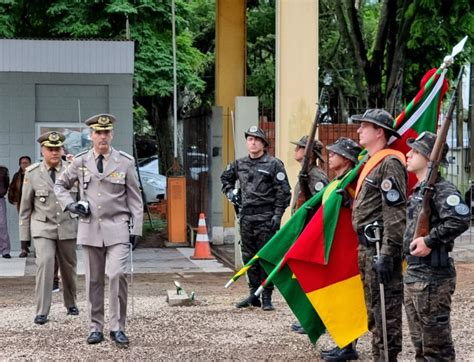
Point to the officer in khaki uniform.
(53, 230)
(111, 217)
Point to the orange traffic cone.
(202, 249)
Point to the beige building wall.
(230, 75)
(296, 77)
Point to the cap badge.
(103, 120)
(53, 137)
(253, 129)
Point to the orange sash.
(374, 161)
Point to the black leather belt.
(257, 210)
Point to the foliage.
(261, 52)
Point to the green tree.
(148, 23)
(389, 44)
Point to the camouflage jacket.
(317, 179)
(450, 217)
(382, 197)
(263, 183)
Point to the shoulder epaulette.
(33, 166)
(125, 154)
(81, 153)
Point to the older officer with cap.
(430, 279)
(380, 202)
(265, 196)
(111, 217)
(53, 230)
(317, 178)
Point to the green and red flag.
(422, 113)
(270, 257)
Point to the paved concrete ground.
(162, 260)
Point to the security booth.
(55, 85)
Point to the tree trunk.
(161, 122)
(395, 76)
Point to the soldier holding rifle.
(436, 216)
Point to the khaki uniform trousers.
(110, 260)
(46, 251)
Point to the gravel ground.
(211, 330)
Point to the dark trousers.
(255, 233)
(393, 305)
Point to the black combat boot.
(251, 301)
(267, 300)
(348, 353)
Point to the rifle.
(303, 179)
(423, 222)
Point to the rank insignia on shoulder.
(318, 186)
(453, 200)
(280, 176)
(461, 209)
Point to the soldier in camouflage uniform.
(265, 194)
(342, 158)
(317, 178)
(430, 279)
(381, 196)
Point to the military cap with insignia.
(317, 146)
(379, 117)
(101, 122)
(346, 147)
(424, 144)
(256, 132)
(51, 139)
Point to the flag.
(272, 254)
(332, 285)
(421, 114)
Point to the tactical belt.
(438, 258)
(257, 210)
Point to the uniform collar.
(106, 156)
(57, 168)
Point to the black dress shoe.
(95, 337)
(72, 310)
(6, 256)
(119, 338)
(41, 319)
(340, 354)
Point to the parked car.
(154, 184)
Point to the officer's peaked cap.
(51, 139)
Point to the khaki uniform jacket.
(40, 213)
(114, 198)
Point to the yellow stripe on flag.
(331, 187)
(341, 307)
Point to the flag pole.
(242, 271)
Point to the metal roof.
(67, 56)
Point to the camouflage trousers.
(254, 233)
(393, 305)
(428, 308)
